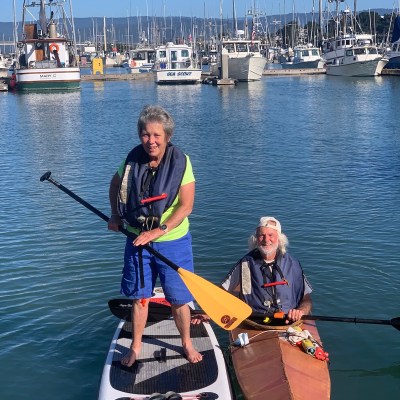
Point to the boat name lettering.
(47, 76)
(182, 73)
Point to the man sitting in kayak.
(268, 278)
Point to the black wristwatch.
(164, 228)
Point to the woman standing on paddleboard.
(153, 194)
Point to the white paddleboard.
(162, 370)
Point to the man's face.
(267, 241)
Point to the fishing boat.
(351, 54)
(245, 62)
(162, 371)
(175, 64)
(268, 366)
(140, 60)
(305, 56)
(46, 54)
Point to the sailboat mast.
(321, 32)
(105, 35)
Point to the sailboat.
(46, 56)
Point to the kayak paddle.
(225, 309)
(395, 322)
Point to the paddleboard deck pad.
(162, 370)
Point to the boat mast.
(73, 32)
(105, 35)
(235, 28)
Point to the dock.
(300, 71)
(117, 77)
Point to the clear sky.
(191, 8)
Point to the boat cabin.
(241, 46)
(174, 56)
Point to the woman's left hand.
(148, 236)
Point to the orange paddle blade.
(225, 309)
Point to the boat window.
(185, 53)
(359, 51)
(230, 47)
(315, 52)
(305, 53)
(338, 44)
(373, 50)
(241, 47)
(174, 55)
(349, 52)
(348, 42)
(254, 47)
(163, 54)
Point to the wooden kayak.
(270, 367)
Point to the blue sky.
(196, 8)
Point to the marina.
(61, 266)
(302, 131)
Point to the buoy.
(54, 47)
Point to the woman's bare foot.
(192, 354)
(129, 358)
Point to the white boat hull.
(358, 68)
(245, 69)
(178, 76)
(48, 78)
(319, 64)
(142, 69)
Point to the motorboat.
(351, 54)
(175, 65)
(305, 56)
(140, 60)
(245, 62)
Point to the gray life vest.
(140, 182)
(272, 298)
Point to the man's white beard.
(266, 252)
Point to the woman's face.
(154, 140)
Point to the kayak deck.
(269, 367)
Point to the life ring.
(54, 47)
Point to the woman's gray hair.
(158, 114)
(283, 242)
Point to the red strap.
(155, 198)
(285, 282)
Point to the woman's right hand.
(114, 222)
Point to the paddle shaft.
(131, 235)
(395, 322)
(353, 320)
(119, 306)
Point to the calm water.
(320, 153)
